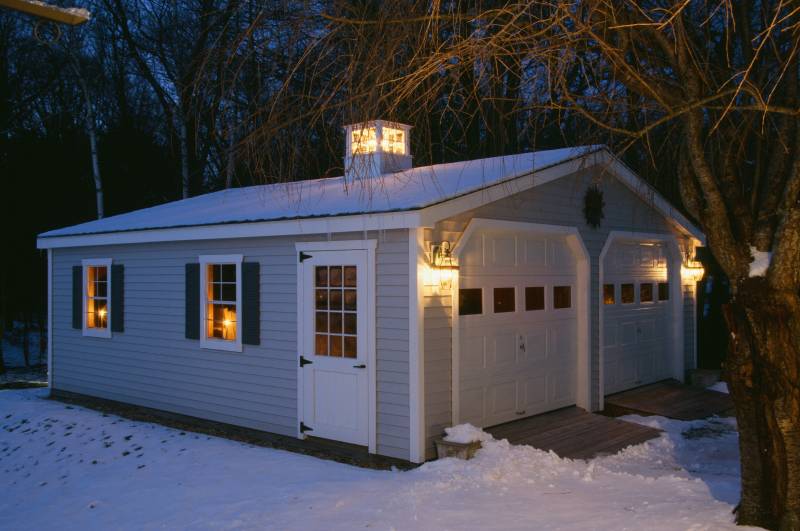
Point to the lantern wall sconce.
(692, 269)
(442, 264)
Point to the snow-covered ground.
(67, 467)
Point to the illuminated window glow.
(393, 141)
(364, 141)
(221, 303)
(97, 297)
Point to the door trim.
(583, 389)
(343, 245)
(674, 262)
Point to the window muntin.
(562, 297)
(663, 291)
(609, 296)
(221, 302)
(336, 311)
(220, 299)
(470, 301)
(626, 293)
(534, 298)
(504, 301)
(646, 292)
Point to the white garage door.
(517, 326)
(636, 315)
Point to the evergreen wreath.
(593, 205)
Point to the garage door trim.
(582, 299)
(675, 294)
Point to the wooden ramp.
(574, 433)
(670, 399)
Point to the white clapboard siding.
(558, 202)
(152, 364)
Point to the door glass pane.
(562, 297)
(321, 277)
(335, 276)
(335, 299)
(504, 300)
(336, 323)
(350, 347)
(321, 345)
(608, 294)
(470, 301)
(322, 299)
(646, 292)
(349, 323)
(626, 293)
(322, 322)
(336, 346)
(350, 276)
(534, 298)
(350, 299)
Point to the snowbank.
(465, 434)
(71, 468)
(720, 387)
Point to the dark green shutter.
(77, 297)
(117, 298)
(192, 301)
(251, 304)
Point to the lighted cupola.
(376, 147)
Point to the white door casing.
(514, 364)
(640, 342)
(336, 390)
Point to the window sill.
(104, 333)
(217, 344)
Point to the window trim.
(86, 264)
(213, 343)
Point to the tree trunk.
(763, 372)
(2, 338)
(26, 340)
(42, 322)
(184, 141)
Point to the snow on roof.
(411, 189)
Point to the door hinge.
(304, 428)
(304, 361)
(304, 256)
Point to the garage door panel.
(635, 334)
(535, 346)
(504, 351)
(503, 399)
(534, 393)
(530, 356)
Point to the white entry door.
(636, 315)
(333, 353)
(517, 325)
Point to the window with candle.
(97, 297)
(221, 291)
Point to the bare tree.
(709, 89)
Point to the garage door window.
(562, 297)
(534, 298)
(646, 292)
(504, 300)
(470, 301)
(626, 294)
(663, 291)
(608, 294)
